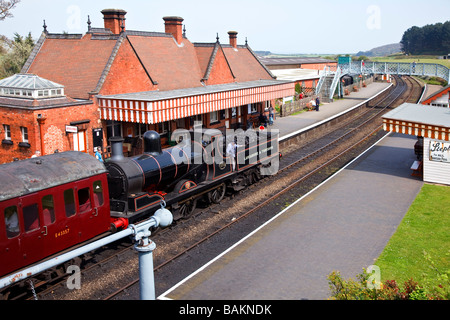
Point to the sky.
(279, 26)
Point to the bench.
(417, 168)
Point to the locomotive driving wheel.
(187, 208)
(216, 195)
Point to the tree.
(6, 7)
(17, 53)
(430, 39)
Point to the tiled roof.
(171, 65)
(82, 63)
(244, 64)
(76, 63)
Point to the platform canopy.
(160, 106)
(419, 120)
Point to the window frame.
(7, 131)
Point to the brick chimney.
(233, 38)
(114, 19)
(173, 25)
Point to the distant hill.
(382, 51)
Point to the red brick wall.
(220, 71)
(15, 119)
(126, 74)
(53, 130)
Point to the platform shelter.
(431, 125)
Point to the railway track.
(302, 168)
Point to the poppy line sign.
(439, 151)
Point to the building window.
(113, 129)
(24, 131)
(213, 117)
(233, 112)
(163, 127)
(7, 130)
(252, 108)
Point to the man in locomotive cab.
(231, 152)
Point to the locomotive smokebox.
(117, 149)
(152, 143)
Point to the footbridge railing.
(399, 68)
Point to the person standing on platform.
(313, 104)
(317, 103)
(98, 154)
(271, 115)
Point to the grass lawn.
(425, 227)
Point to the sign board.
(439, 151)
(72, 129)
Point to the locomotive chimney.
(152, 143)
(116, 148)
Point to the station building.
(440, 98)
(37, 117)
(139, 80)
(431, 125)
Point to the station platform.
(303, 121)
(342, 225)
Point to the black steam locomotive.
(197, 167)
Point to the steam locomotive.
(55, 202)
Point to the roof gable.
(75, 62)
(245, 65)
(214, 64)
(170, 65)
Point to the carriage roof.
(23, 177)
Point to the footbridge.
(398, 68)
(331, 75)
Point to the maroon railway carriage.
(48, 204)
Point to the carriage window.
(31, 217)
(98, 193)
(83, 200)
(12, 222)
(48, 209)
(69, 201)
